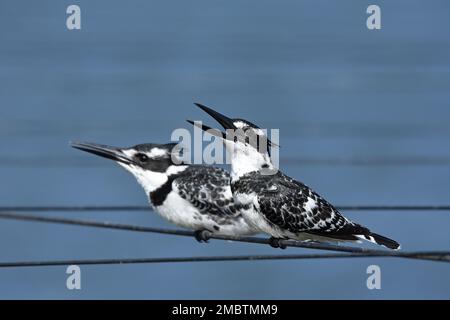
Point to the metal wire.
(147, 208)
(435, 255)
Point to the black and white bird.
(196, 197)
(275, 203)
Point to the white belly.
(182, 213)
(179, 211)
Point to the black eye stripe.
(156, 164)
(142, 157)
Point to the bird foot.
(202, 235)
(275, 243)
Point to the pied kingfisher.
(196, 197)
(275, 203)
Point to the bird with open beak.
(274, 203)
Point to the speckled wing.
(208, 189)
(294, 207)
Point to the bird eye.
(142, 157)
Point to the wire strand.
(436, 256)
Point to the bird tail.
(380, 240)
(355, 232)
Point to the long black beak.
(226, 122)
(214, 132)
(108, 152)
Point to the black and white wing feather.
(208, 189)
(291, 206)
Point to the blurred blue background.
(363, 117)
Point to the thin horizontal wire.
(435, 256)
(148, 208)
(438, 256)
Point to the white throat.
(246, 160)
(152, 180)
